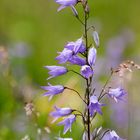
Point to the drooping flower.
(116, 93)
(77, 46)
(95, 106)
(56, 71)
(61, 112)
(67, 122)
(77, 60)
(64, 56)
(92, 56)
(65, 3)
(53, 90)
(113, 136)
(86, 71)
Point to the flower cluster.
(84, 56)
(71, 54)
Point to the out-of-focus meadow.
(31, 33)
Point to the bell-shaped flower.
(86, 71)
(66, 3)
(113, 136)
(92, 56)
(77, 60)
(116, 93)
(53, 90)
(77, 47)
(67, 122)
(64, 56)
(56, 71)
(95, 106)
(61, 112)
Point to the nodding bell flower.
(116, 93)
(56, 71)
(67, 122)
(95, 106)
(64, 56)
(86, 71)
(52, 90)
(77, 46)
(61, 112)
(113, 136)
(77, 60)
(66, 3)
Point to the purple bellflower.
(56, 71)
(67, 122)
(92, 56)
(95, 106)
(86, 71)
(116, 93)
(61, 112)
(77, 46)
(53, 90)
(64, 56)
(65, 3)
(113, 136)
(77, 60)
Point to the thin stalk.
(77, 73)
(87, 81)
(103, 89)
(77, 93)
(102, 96)
(80, 20)
(88, 115)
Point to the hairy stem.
(87, 80)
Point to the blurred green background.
(31, 33)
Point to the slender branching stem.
(82, 115)
(94, 116)
(103, 89)
(83, 54)
(77, 17)
(77, 93)
(78, 111)
(102, 96)
(77, 73)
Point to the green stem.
(77, 73)
(77, 93)
(103, 89)
(87, 81)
